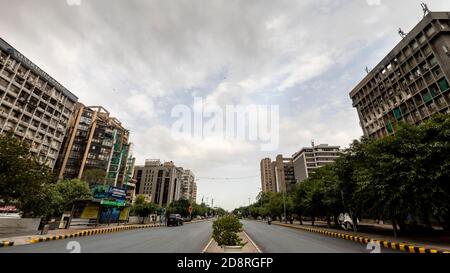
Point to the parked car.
(174, 220)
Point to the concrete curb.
(252, 242)
(207, 245)
(90, 232)
(6, 244)
(87, 232)
(365, 240)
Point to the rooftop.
(30, 65)
(405, 41)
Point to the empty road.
(278, 239)
(189, 238)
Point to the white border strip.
(252, 242)
(207, 246)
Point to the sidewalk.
(439, 240)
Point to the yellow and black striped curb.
(365, 240)
(6, 243)
(91, 232)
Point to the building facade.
(33, 105)
(308, 159)
(268, 182)
(98, 143)
(194, 192)
(284, 173)
(187, 185)
(411, 83)
(160, 182)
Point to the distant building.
(194, 192)
(308, 159)
(187, 185)
(96, 141)
(411, 83)
(284, 173)
(268, 182)
(33, 105)
(160, 181)
(278, 175)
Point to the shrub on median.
(225, 231)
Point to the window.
(422, 39)
(443, 85)
(3, 83)
(430, 31)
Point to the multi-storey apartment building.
(96, 141)
(194, 192)
(160, 182)
(411, 83)
(308, 159)
(33, 105)
(268, 182)
(284, 173)
(187, 185)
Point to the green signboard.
(113, 203)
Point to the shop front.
(108, 206)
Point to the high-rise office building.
(96, 142)
(33, 105)
(308, 159)
(411, 83)
(160, 182)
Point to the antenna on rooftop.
(425, 9)
(402, 33)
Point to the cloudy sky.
(140, 58)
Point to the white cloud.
(140, 58)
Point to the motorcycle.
(269, 221)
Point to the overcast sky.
(140, 58)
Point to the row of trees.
(143, 209)
(30, 185)
(403, 178)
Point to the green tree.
(143, 209)
(66, 192)
(22, 177)
(179, 207)
(94, 176)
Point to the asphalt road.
(278, 239)
(189, 238)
